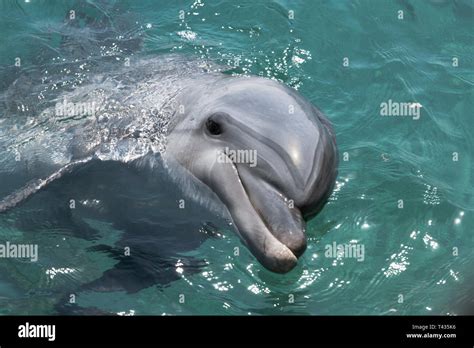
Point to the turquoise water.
(405, 186)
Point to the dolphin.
(296, 162)
(189, 117)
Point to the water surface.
(418, 256)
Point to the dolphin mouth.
(274, 230)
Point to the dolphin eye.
(213, 127)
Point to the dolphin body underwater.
(186, 118)
(172, 119)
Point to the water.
(405, 186)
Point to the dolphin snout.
(282, 219)
(297, 244)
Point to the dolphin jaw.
(277, 257)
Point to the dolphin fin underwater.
(25, 192)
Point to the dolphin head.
(267, 153)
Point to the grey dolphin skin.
(296, 160)
(191, 118)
